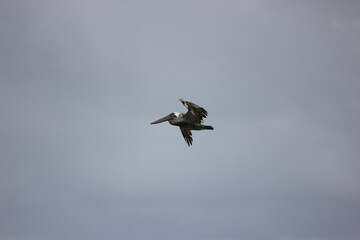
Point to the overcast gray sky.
(80, 81)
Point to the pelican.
(191, 120)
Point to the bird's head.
(167, 118)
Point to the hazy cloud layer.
(80, 81)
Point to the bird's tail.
(208, 127)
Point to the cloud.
(80, 84)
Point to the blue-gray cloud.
(81, 81)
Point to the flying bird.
(191, 120)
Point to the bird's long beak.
(167, 118)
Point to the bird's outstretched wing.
(187, 135)
(195, 112)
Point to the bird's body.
(191, 120)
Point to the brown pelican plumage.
(191, 120)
